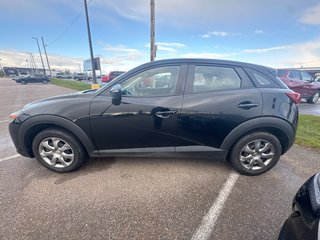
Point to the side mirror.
(116, 94)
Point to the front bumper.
(14, 127)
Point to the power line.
(70, 25)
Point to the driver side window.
(160, 81)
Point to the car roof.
(265, 69)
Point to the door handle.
(165, 114)
(247, 105)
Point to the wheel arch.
(32, 126)
(276, 126)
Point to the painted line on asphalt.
(19, 105)
(8, 158)
(3, 121)
(209, 221)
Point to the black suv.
(177, 107)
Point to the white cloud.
(311, 15)
(219, 34)
(204, 12)
(210, 34)
(124, 61)
(259, 31)
(264, 50)
(205, 36)
(167, 46)
(120, 48)
(171, 44)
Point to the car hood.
(58, 99)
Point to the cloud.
(311, 16)
(120, 48)
(259, 31)
(204, 12)
(124, 61)
(167, 46)
(264, 50)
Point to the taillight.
(295, 97)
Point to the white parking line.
(8, 158)
(208, 222)
(3, 121)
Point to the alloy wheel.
(56, 152)
(257, 154)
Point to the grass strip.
(308, 133)
(80, 86)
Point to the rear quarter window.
(262, 80)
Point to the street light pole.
(44, 70)
(45, 51)
(94, 79)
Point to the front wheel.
(314, 98)
(255, 153)
(58, 150)
(44, 81)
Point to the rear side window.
(261, 80)
(211, 78)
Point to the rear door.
(217, 99)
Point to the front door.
(146, 119)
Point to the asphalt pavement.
(140, 198)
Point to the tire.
(314, 98)
(58, 150)
(23, 82)
(44, 81)
(250, 149)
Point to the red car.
(301, 82)
(112, 75)
(105, 78)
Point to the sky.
(275, 33)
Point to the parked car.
(304, 221)
(105, 78)
(301, 82)
(82, 76)
(63, 76)
(200, 108)
(33, 79)
(111, 76)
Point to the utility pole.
(1, 68)
(94, 79)
(45, 51)
(152, 31)
(44, 70)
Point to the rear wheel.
(314, 98)
(255, 153)
(58, 150)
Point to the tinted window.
(209, 78)
(160, 81)
(294, 74)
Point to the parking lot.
(141, 198)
